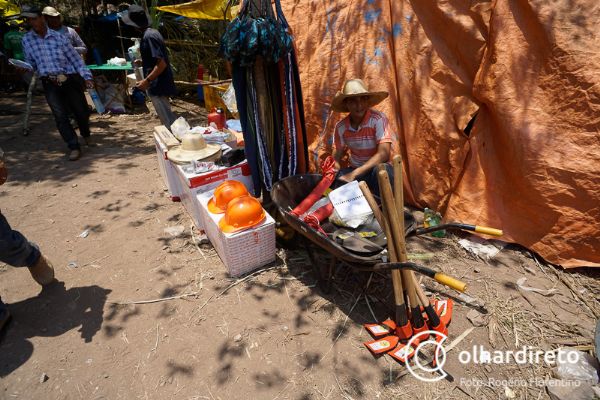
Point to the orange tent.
(523, 75)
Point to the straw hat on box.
(355, 88)
(194, 147)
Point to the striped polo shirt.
(362, 142)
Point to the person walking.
(54, 20)
(62, 72)
(17, 251)
(158, 79)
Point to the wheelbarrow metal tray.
(289, 192)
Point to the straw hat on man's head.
(50, 11)
(355, 88)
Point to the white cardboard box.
(244, 251)
(164, 140)
(193, 184)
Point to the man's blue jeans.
(63, 100)
(162, 105)
(370, 177)
(15, 249)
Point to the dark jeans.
(63, 100)
(370, 177)
(15, 249)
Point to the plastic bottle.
(134, 51)
(222, 119)
(97, 102)
(218, 117)
(432, 218)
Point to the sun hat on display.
(194, 147)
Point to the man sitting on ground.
(365, 133)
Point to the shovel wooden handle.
(398, 202)
(401, 315)
(391, 212)
(397, 237)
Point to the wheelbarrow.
(289, 192)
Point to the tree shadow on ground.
(41, 156)
(54, 312)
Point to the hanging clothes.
(259, 45)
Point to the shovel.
(434, 320)
(403, 328)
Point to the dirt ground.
(272, 335)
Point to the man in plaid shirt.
(62, 72)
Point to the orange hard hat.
(224, 193)
(242, 213)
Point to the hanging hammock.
(259, 45)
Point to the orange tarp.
(527, 69)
